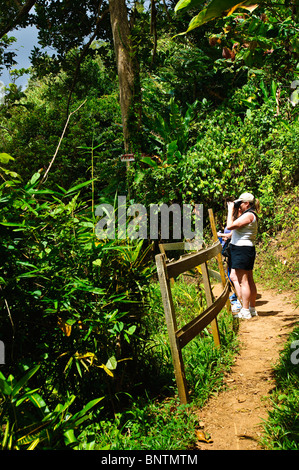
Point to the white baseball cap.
(245, 197)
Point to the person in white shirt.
(242, 220)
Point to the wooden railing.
(170, 269)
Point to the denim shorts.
(242, 257)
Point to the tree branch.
(22, 14)
(60, 140)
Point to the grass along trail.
(232, 420)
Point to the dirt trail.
(233, 418)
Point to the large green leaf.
(188, 4)
(149, 162)
(84, 410)
(5, 388)
(5, 157)
(215, 9)
(24, 380)
(77, 187)
(39, 402)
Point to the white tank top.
(245, 236)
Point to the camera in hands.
(237, 204)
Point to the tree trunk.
(125, 64)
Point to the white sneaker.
(236, 306)
(244, 314)
(253, 312)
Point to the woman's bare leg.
(253, 290)
(234, 278)
(245, 281)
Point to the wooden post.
(209, 297)
(176, 353)
(219, 256)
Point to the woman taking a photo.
(242, 221)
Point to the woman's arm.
(224, 236)
(241, 221)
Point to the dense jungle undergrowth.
(87, 357)
(69, 309)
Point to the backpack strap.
(252, 211)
